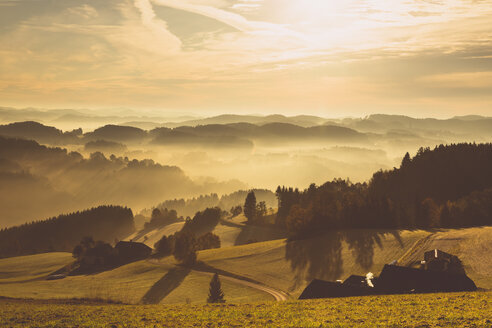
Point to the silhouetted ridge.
(214, 136)
(242, 134)
(39, 132)
(117, 133)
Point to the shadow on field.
(165, 285)
(321, 257)
(251, 233)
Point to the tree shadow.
(251, 233)
(321, 257)
(165, 285)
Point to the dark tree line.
(450, 186)
(64, 232)
(161, 218)
(189, 207)
(203, 221)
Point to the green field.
(285, 267)
(473, 246)
(320, 258)
(165, 282)
(428, 310)
(232, 233)
(32, 267)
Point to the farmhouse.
(440, 272)
(129, 251)
(437, 260)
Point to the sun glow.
(316, 11)
(233, 53)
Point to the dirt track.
(278, 295)
(414, 253)
(210, 271)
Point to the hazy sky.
(325, 57)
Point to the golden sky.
(324, 57)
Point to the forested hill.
(449, 186)
(54, 180)
(445, 173)
(62, 233)
(190, 206)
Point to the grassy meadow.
(286, 267)
(427, 310)
(162, 281)
(167, 283)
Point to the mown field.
(286, 267)
(234, 233)
(291, 267)
(161, 282)
(428, 310)
(264, 262)
(472, 245)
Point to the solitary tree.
(185, 248)
(215, 293)
(250, 206)
(164, 247)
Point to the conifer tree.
(215, 294)
(250, 206)
(406, 161)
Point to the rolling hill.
(285, 267)
(139, 282)
(55, 180)
(39, 132)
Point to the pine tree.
(215, 294)
(250, 206)
(406, 161)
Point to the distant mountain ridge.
(300, 120)
(216, 135)
(477, 125)
(37, 131)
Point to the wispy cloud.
(278, 53)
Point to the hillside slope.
(284, 266)
(290, 266)
(139, 282)
(473, 246)
(231, 232)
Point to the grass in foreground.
(428, 310)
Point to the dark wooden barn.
(440, 272)
(437, 260)
(397, 279)
(129, 251)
